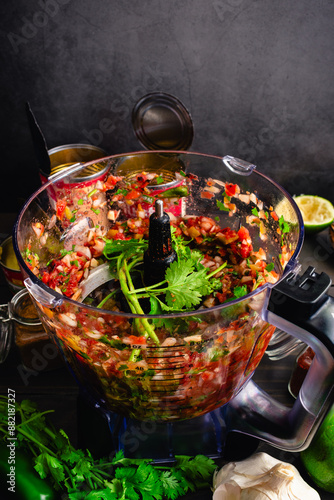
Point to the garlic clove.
(230, 490)
(261, 477)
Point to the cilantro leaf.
(28, 406)
(284, 226)
(185, 287)
(173, 484)
(82, 469)
(46, 464)
(144, 480)
(270, 267)
(196, 256)
(221, 206)
(196, 471)
(72, 456)
(104, 494)
(240, 291)
(180, 245)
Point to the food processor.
(184, 391)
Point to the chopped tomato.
(70, 286)
(243, 234)
(207, 375)
(60, 210)
(274, 215)
(133, 194)
(231, 189)
(137, 340)
(119, 236)
(46, 277)
(243, 249)
(221, 297)
(207, 195)
(142, 181)
(111, 181)
(227, 235)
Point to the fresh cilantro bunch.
(77, 474)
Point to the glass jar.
(6, 333)
(37, 351)
(10, 267)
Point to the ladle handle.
(300, 306)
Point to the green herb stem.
(217, 270)
(151, 287)
(101, 304)
(29, 420)
(145, 328)
(38, 443)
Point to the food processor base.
(105, 433)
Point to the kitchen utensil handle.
(300, 306)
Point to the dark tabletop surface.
(57, 390)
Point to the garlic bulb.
(261, 477)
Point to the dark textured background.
(257, 77)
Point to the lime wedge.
(317, 212)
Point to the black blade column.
(160, 253)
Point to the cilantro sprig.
(186, 281)
(78, 475)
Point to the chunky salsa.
(174, 355)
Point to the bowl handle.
(300, 306)
(40, 295)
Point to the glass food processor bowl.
(163, 366)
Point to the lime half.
(317, 212)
